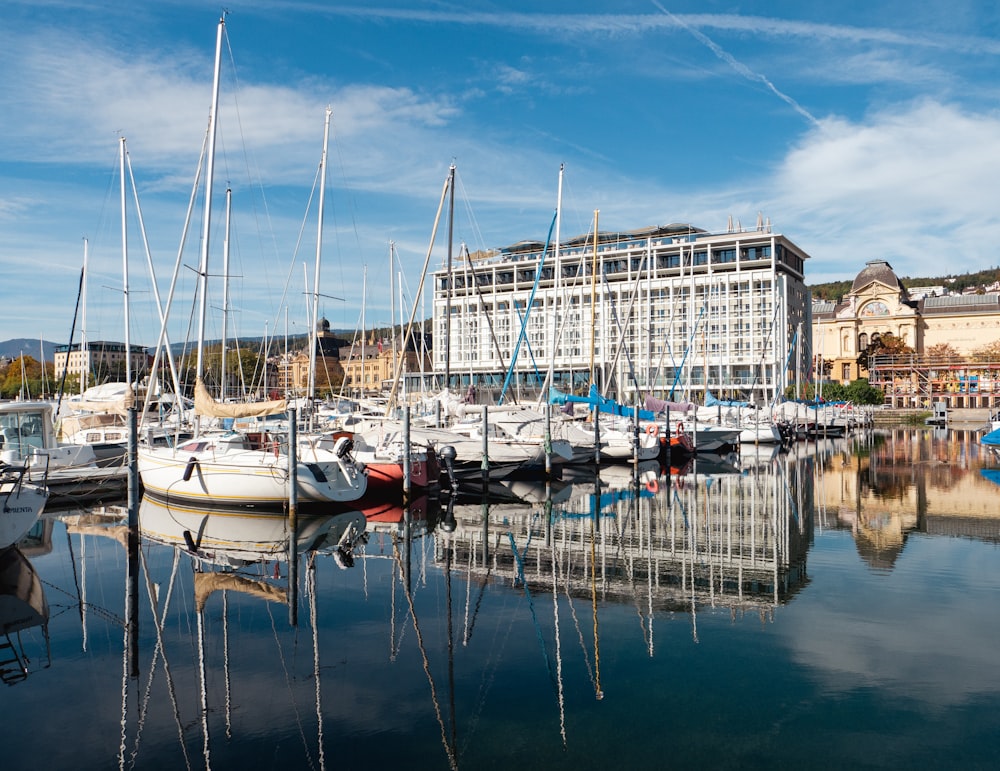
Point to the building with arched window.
(879, 304)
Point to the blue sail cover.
(610, 406)
(992, 439)
(711, 401)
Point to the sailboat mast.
(84, 358)
(225, 296)
(593, 303)
(402, 340)
(447, 310)
(364, 329)
(128, 346)
(392, 304)
(213, 122)
(555, 290)
(319, 249)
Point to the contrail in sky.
(741, 68)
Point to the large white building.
(669, 311)
(98, 361)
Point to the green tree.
(242, 367)
(28, 377)
(861, 392)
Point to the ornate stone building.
(879, 304)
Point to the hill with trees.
(836, 290)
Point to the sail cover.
(204, 404)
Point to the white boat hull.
(202, 472)
(21, 504)
(762, 434)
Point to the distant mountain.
(13, 349)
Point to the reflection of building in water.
(900, 481)
(736, 541)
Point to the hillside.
(835, 290)
(13, 349)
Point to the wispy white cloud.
(870, 176)
(616, 24)
(901, 184)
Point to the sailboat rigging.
(233, 467)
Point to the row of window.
(622, 265)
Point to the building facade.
(293, 368)
(368, 371)
(99, 361)
(879, 304)
(670, 311)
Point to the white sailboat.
(234, 467)
(69, 471)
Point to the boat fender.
(189, 468)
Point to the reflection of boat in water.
(236, 537)
(646, 473)
(22, 606)
(21, 504)
(390, 516)
(707, 464)
(514, 489)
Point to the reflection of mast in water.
(449, 746)
(448, 526)
(555, 623)
(594, 522)
(471, 622)
(519, 561)
(314, 623)
(159, 619)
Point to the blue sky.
(860, 130)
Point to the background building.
(369, 370)
(670, 311)
(948, 337)
(293, 367)
(99, 361)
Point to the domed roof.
(877, 270)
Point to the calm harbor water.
(834, 606)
